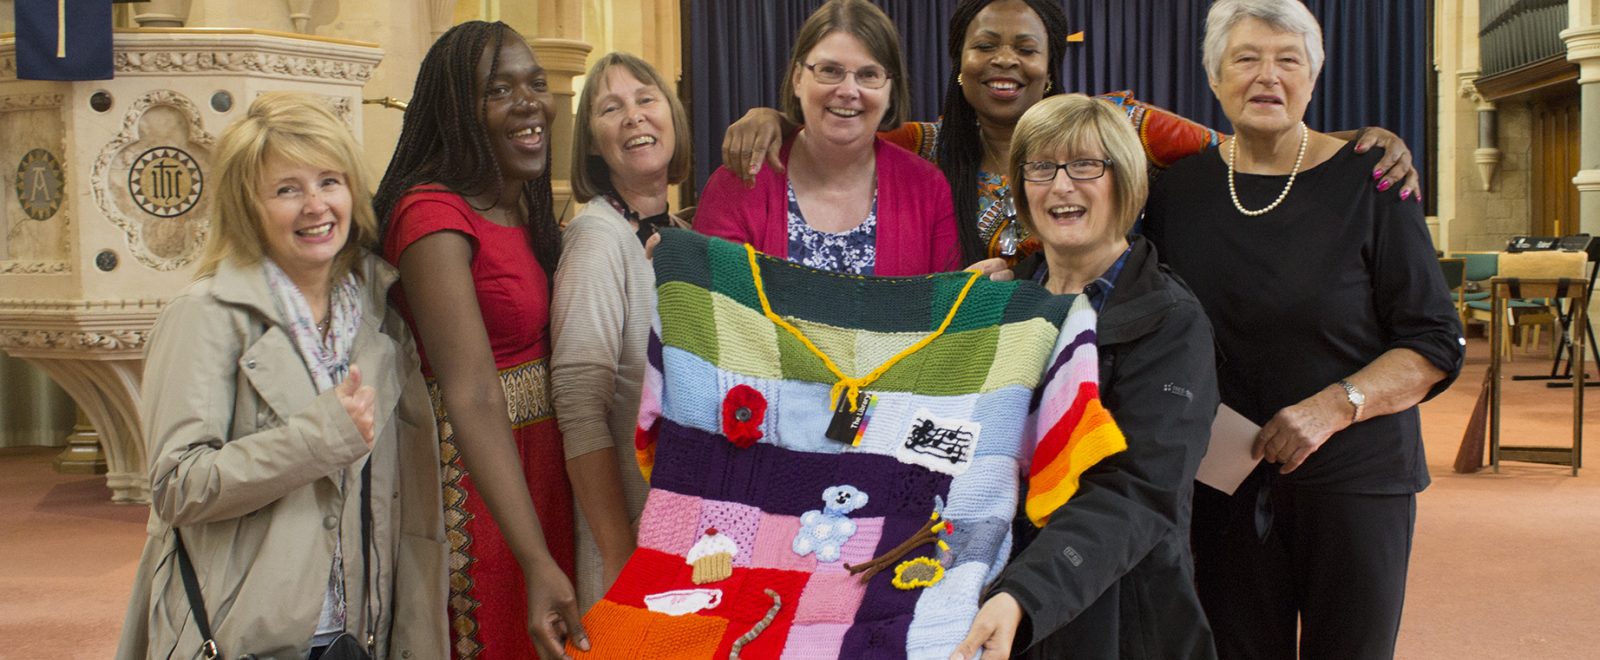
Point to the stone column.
(1487, 155)
(1583, 48)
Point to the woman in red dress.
(467, 218)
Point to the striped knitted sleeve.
(1072, 430)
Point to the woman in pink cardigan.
(848, 202)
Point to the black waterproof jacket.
(1111, 576)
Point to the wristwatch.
(1357, 399)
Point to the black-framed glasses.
(828, 73)
(1083, 169)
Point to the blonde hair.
(1075, 122)
(591, 177)
(299, 128)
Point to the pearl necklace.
(1233, 147)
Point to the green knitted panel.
(681, 257)
(747, 341)
(682, 300)
(1034, 302)
(730, 272)
(996, 320)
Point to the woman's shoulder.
(597, 222)
(426, 209)
(431, 196)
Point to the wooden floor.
(1505, 565)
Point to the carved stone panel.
(150, 180)
(36, 215)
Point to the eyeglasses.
(828, 73)
(1083, 169)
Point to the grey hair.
(1287, 15)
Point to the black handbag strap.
(366, 555)
(197, 602)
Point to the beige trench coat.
(246, 458)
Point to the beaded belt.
(527, 388)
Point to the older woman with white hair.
(1334, 323)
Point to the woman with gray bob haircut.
(1333, 322)
(630, 142)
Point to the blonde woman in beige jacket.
(270, 384)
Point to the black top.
(1309, 294)
(1110, 577)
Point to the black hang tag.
(846, 423)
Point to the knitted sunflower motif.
(918, 572)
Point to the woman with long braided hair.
(1006, 55)
(466, 209)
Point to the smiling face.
(305, 216)
(1265, 79)
(1004, 61)
(843, 113)
(631, 122)
(516, 111)
(1069, 215)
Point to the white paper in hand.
(1228, 459)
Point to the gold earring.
(1049, 85)
(959, 83)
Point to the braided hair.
(443, 141)
(959, 153)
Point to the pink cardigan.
(916, 221)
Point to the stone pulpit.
(106, 201)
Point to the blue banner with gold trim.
(63, 39)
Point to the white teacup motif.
(683, 601)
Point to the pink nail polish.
(1377, 173)
(1385, 186)
(1405, 194)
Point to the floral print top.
(854, 251)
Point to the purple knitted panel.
(877, 640)
(653, 350)
(786, 482)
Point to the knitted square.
(773, 546)
(736, 521)
(679, 516)
(815, 641)
(830, 597)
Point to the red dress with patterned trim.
(488, 605)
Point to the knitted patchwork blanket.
(835, 460)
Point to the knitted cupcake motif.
(712, 557)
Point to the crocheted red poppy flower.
(742, 412)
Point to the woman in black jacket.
(1110, 575)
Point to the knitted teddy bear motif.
(824, 531)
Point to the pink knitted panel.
(775, 545)
(862, 547)
(669, 522)
(830, 597)
(737, 521)
(816, 641)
